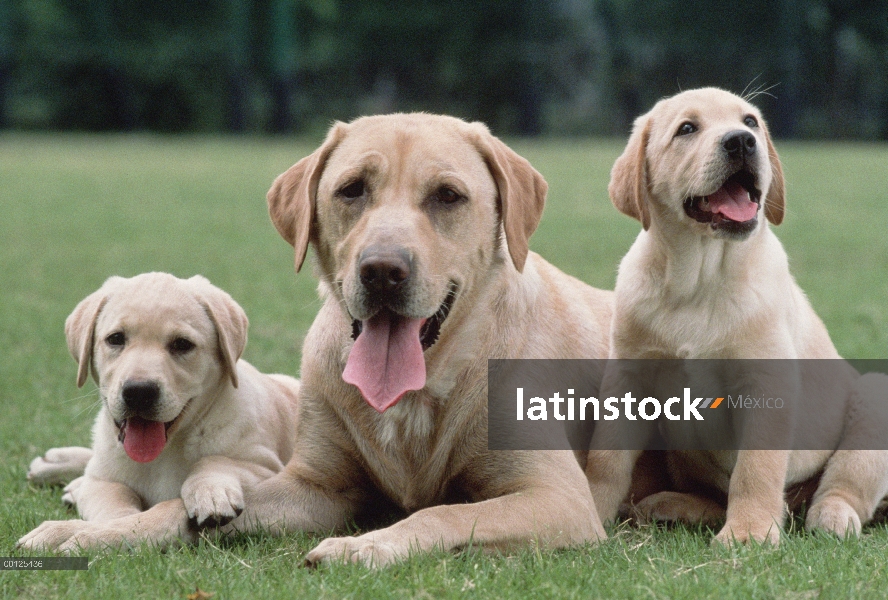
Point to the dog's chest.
(412, 488)
(705, 324)
(404, 456)
(160, 479)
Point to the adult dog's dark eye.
(181, 345)
(446, 195)
(751, 122)
(686, 128)
(116, 339)
(353, 190)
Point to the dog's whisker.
(743, 94)
(696, 183)
(761, 91)
(89, 408)
(755, 91)
(82, 396)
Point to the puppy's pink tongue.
(143, 440)
(733, 201)
(386, 360)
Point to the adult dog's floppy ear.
(522, 192)
(80, 327)
(229, 319)
(291, 199)
(775, 201)
(628, 186)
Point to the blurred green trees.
(525, 66)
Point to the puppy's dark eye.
(750, 122)
(447, 195)
(353, 190)
(686, 128)
(181, 345)
(116, 339)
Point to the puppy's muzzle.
(140, 397)
(732, 208)
(384, 271)
(739, 145)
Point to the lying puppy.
(707, 278)
(185, 427)
(420, 226)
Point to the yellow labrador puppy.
(420, 226)
(185, 427)
(708, 279)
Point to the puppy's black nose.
(739, 144)
(384, 269)
(140, 395)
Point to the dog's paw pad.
(835, 515)
(212, 507)
(53, 535)
(732, 534)
(363, 550)
(211, 521)
(71, 492)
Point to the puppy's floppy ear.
(628, 186)
(775, 201)
(291, 199)
(229, 319)
(522, 192)
(80, 327)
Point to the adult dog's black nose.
(139, 396)
(738, 144)
(384, 269)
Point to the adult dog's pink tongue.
(386, 360)
(733, 201)
(143, 440)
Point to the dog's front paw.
(59, 465)
(211, 506)
(734, 532)
(835, 515)
(60, 536)
(364, 549)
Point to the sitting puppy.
(708, 279)
(185, 426)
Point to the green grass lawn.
(75, 210)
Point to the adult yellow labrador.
(420, 226)
(708, 279)
(185, 426)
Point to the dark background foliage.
(523, 66)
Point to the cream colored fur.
(232, 426)
(685, 290)
(428, 454)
